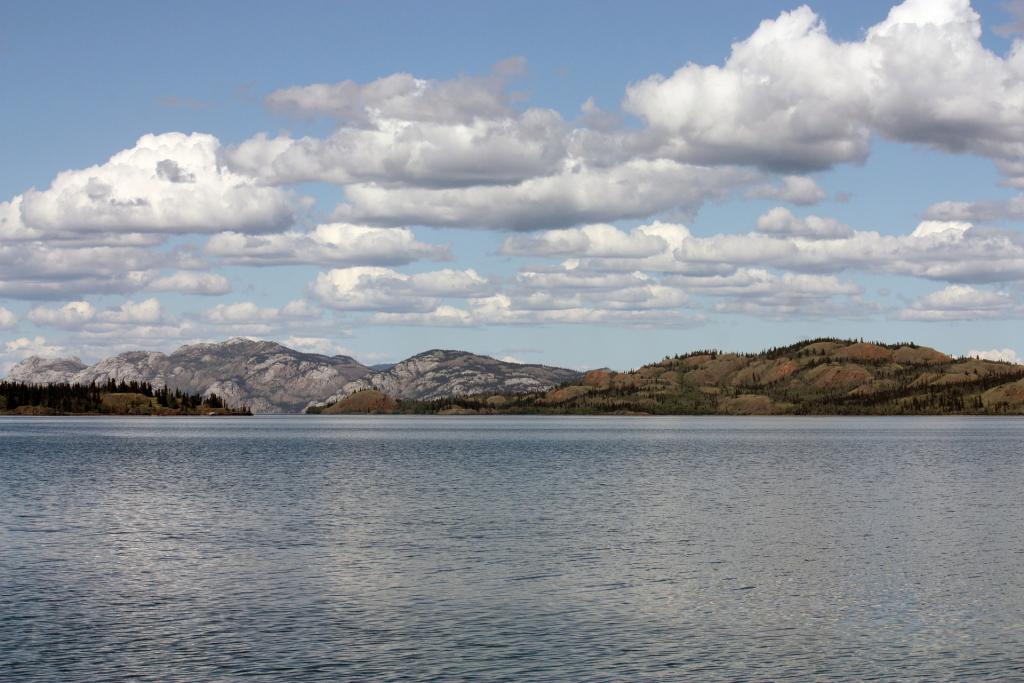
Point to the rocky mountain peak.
(267, 376)
(38, 370)
(442, 373)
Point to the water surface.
(529, 549)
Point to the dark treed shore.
(111, 398)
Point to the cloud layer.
(181, 236)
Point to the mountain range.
(814, 377)
(438, 374)
(271, 378)
(820, 376)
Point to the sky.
(583, 184)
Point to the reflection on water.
(527, 549)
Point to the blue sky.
(511, 179)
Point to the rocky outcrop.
(443, 374)
(36, 370)
(266, 376)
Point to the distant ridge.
(266, 376)
(817, 377)
(813, 377)
(440, 373)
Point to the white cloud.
(12, 228)
(134, 313)
(333, 244)
(168, 183)
(382, 289)
(23, 347)
(244, 312)
(795, 189)
(1006, 355)
(300, 309)
(400, 96)
(241, 312)
(501, 310)
(138, 322)
(781, 221)
(321, 345)
(978, 212)
(598, 240)
(429, 154)
(408, 130)
(789, 97)
(953, 230)
(37, 270)
(191, 282)
(7, 319)
(16, 350)
(949, 251)
(959, 302)
(634, 189)
(71, 315)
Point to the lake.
(306, 548)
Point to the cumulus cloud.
(501, 310)
(468, 153)
(332, 244)
(7, 319)
(35, 346)
(765, 294)
(40, 271)
(746, 290)
(634, 189)
(794, 189)
(71, 315)
(935, 250)
(321, 345)
(369, 288)
(169, 183)
(978, 212)
(244, 312)
(791, 98)
(960, 302)
(400, 96)
(130, 323)
(134, 313)
(77, 315)
(412, 131)
(429, 154)
(191, 282)
(598, 240)
(781, 221)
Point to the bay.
(309, 548)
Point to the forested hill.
(815, 377)
(110, 398)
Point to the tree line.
(88, 398)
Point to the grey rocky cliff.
(442, 374)
(36, 370)
(266, 376)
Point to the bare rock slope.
(443, 374)
(266, 376)
(36, 370)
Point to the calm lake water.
(527, 549)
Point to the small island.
(111, 398)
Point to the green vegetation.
(815, 377)
(112, 398)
